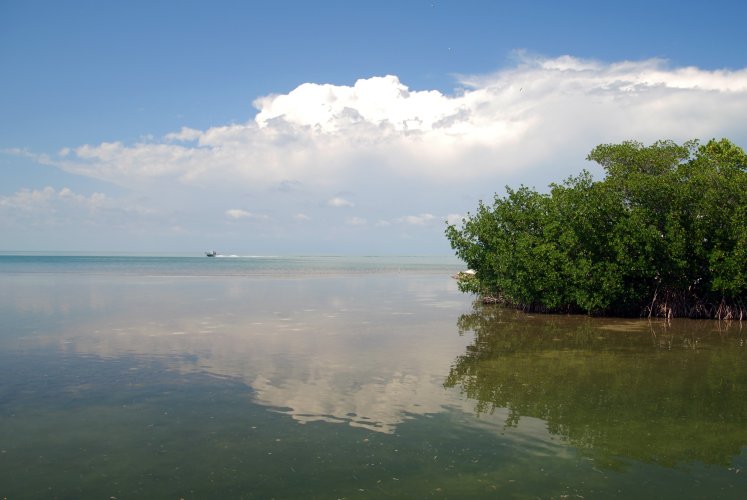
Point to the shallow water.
(347, 379)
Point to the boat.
(211, 253)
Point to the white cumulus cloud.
(405, 151)
(323, 134)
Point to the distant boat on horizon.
(211, 253)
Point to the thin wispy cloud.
(31, 200)
(454, 219)
(237, 213)
(416, 220)
(355, 221)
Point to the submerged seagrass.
(658, 392)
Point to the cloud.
(31, 200)
(355, 221)
(238, 213)
(50, 207)
(416, 220)
(186, 134)
(378, 101)
(323, 134)
(405, 151)
(338, 202)
(454, 219)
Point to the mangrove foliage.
(664, 234)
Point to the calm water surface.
(330, 377)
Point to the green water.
(385, 384)
(667, 393)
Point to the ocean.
(347, 377)
(221, 265)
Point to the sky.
(333, 127)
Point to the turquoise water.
(339, 377)
(223, 265)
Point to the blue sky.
(333, 127)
